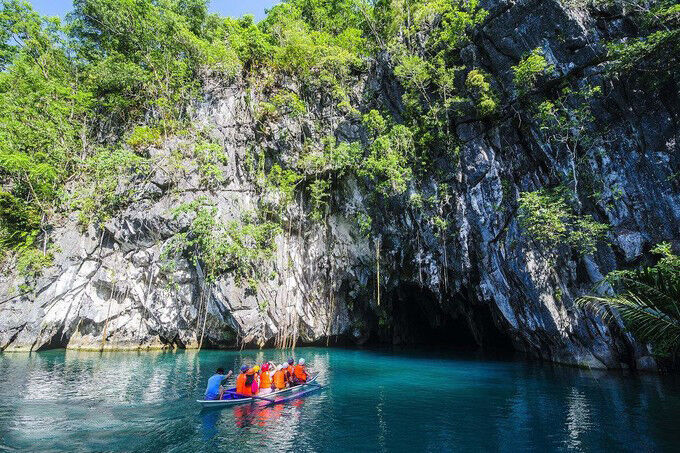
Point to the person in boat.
(253, 380)
(300, 374)
(265, 380)
(241, 381)
(291, 370)
(216, 382)
(280, 379)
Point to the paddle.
(249, 396)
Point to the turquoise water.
(375, 401)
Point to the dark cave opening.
(413, 316)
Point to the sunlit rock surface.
(486, 284)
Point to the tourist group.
(258, 380)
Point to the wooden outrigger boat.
(231, 399)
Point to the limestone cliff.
(484, 283)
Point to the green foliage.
(238, 248)
(115, 63)
(106, 184)
(416, 201)
(414, 72)
(252, 46)
(313, 43)
(128, 72)
(143, 137)
(31, 260)
(208, 157)
(425, 39)
(144, 56)
(482, 93)
(568, 123)
(333, 157)
(18, 219)
(365, 223)
(42, 112)
(374, 122)
(529, 70)
(549, 220)
(119, 63)
(284, 182)
(319, 193)
(648, 300)
(288, 103)
(285, 103)
(655, 53)
(387, 162)
(440, 225)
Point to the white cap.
(302, 361)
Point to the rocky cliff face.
(485, 283)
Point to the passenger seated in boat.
(291, 370)
(253, 380)
(265, 380)
(280, 380)
(300, 374)
(241, 381)
(216, 382)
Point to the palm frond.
(648, 302)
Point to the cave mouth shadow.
(417, 318)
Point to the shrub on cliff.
(549, 219)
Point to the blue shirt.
(212, 392)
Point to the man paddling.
(216, 382)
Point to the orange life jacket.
(265, 380)
(280, 380)
(241, 383)
(291, 370)
(300, 373)
(248, 383)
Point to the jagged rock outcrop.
(486, 283)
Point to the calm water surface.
(375, 401)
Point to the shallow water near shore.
(376, 400)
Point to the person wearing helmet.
(291, 370)
(253, 379)
(265, 380)
(279, 380)
(241, 381)
(300, 372)
(215, 389)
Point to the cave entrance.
(458, 324)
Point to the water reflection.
(578, 419)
